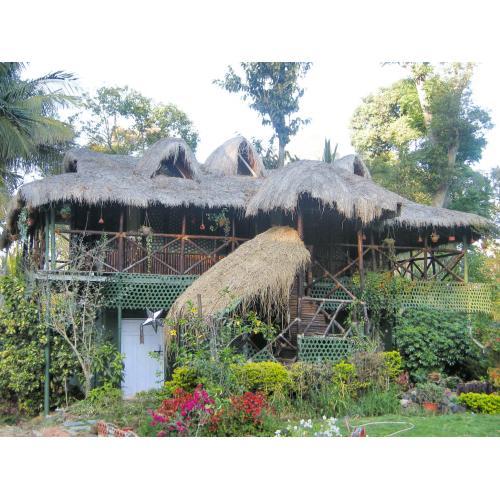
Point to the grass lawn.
(458, 425)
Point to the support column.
(372, 243)
(361, 266)
(46, 260)
(53, 253)
(466, 260)
(121, 243)
(183, 243)
(119, 325)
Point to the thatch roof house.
(229, 231)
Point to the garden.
(434, 380)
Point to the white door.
(142, 371)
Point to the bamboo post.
(361, 266)
(183, 243)
(466, 260)
(47, 242)
(233, 234)
(425, 257)
(372, 243)
(121, 243)
(53, 253)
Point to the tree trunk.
(440, 198)
(281, 153)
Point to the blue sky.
(332, 93)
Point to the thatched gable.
(237, 156)
(353, 164)
(171, 157)
(260, 270)
(352, 195)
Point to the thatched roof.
(167, 150)
(260, 270)
(353, 164)
(415, 215)
(102, 178)
(350, 194)
(237, 156)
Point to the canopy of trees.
(272, 90)
(421, 136)
(123, 121)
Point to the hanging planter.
(146, 230)
(451, 238)
(30, 221)
(65, 212)
(434, 237)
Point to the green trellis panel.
(141, 291)
(316, 349)
(461, 297)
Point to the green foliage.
(393, 364)
(105, 395)
(421, 135)
(432, 340)
(30, 133)
(273, 91)
(328, 156)
(107, 364)
(429, 392)
(268, 377)
(309, 378)
(22, 361)
(123, 121)
(377, 402)
(345, 378)
(184, 378)
(481, 403)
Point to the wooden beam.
(121, 243)
(183, 233)
(300, 224)
(466, 260)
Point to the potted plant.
(429, 395)
(65, 212)
(146, 230)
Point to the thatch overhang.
(416, 219)
(353, 164)
(237, 156)
(352, 195)
(260, 271)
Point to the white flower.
(324, 417)
(278, 433)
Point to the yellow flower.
(173, 332)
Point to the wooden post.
(121, 242)
(46, 259)
(53, 253)
(361, 266)
(300, 224)
(425, 257)
(466, 260)
(233, 234)
(183, 243)
(372, 243)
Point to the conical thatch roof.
(260, 270)
(237, 156)
(164, 150)
(350, 194)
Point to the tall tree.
(123, 121)
(422, 134)
(31, 134)
(272, 90)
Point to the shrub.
(429, 392)
(494, 377)
(431, 340)
(309, 378)
(22, 360)
(184, 378)
(185, 414)
(345, 379)
(269, 377)
(244, 415)
(480, 386)
(393, 364)
(481, 403)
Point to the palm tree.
(30, 133)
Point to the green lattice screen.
(316, 349)
(463, 297)
(144, 291)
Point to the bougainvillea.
(185, 414)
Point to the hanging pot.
(420, 239)
(202, 227)
(434, 237)
(146, 230)
(30, 221)
(451, 238)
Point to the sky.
(332, 93)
